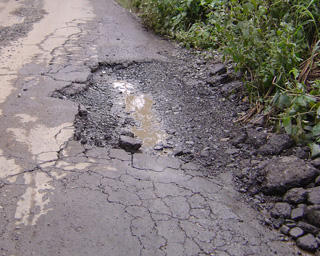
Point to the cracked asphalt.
(59, 197)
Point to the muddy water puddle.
(139, 106)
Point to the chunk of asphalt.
(129, 144)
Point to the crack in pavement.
(188, 215)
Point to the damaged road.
(66, 188)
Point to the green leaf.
(286, 122)
(254, 3)
(248, 7)
(301, 101)
(308, 128)
(295, 72)
(284, 101)
(310, 99)
(316, 130)
(304, 100)
(318, 111)
(315, 150)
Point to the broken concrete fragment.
(297, 213)
(313, 215)
(276, 144)
(296, 196)
(281, 210)
(308, 243)
(296, 232)
(284, 230)
(308, 228)
(314, 195)
(129, 144)
(285, 173)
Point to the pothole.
(110, 106)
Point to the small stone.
(171, 131)
(277, 223)
(286, 173)
(316, 163)
(178, 152)
(217, 69)
(317, 182)
(297, 214)
(296, 196)
(308, 228)
(284, 230)
(129, 144)
(281, 210)
(314, 195)
(267, 222)
(127, 133)
(308, 243)
(158, 147)
(217, 80)
(257, 139)
(291, 224)
(231, 88)
(169, 143)
(302, 153)
(276, 144)
(313, 215)
(205, 152)
(241, 138)
(296, 232)
(232, 151)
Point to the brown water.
(140, 108)
(149, 130)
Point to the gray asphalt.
(59, 197)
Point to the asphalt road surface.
(61, 197)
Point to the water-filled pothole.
(109, 107)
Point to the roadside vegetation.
(274, 43)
